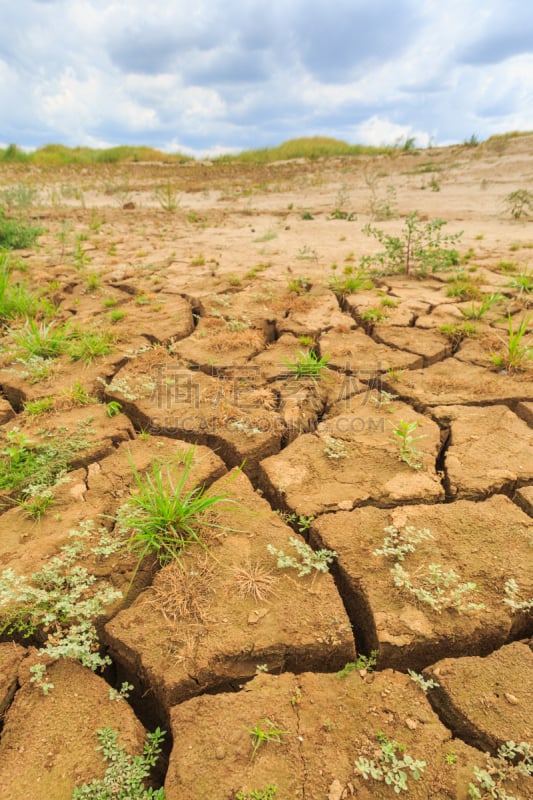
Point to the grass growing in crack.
(516, 355)
(404, 439)
(421, 682)
(392, 765)
(351, 280)
(523, 282)
(163, 518)
(308, 559)
(265, 731)
(125, 774)
(363, 664)
(308, 365)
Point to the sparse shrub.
(308, 559)
(519, 203)
(419, 249)
(392, 766)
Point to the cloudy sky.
(206, 76)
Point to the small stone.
(412, 724)
(514, 701)
(220, 753)
(256, 615)
(335, 790)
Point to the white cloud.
(242, 73)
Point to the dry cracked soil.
(166, 353)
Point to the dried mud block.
(452, 382)
(210, 619)
(357, 353)
(490, 450)
(6, 411)
(11, 655)
(89, 501)
(431, 345)
(486, 543)
(49, 742)
(218, 345)
(325, 725)
(59, 376)
(445, 314)
(231, 415)
(68, 439)
(351, 460)
(309, 315)
(429, 291)
(524, 498)
(160, 317)
(486, 701)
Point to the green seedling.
(405, 441)
(265, 731)
(351, 280)
(363, 664)
(113, 408)
(523, 282)
(392, 765)
(268, 793)
(15, 298)
(308, 365)
(516, 354)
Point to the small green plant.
(350, 281)
(307, 253)
(16, 233)
(121, 694)
(265, 731)
(392, 766)
(371, 316)
(298, 285)
(42, 339)
(437, 589)
(92, 281)
(335, 449)
(308, 559)
(516, 353)
(87, 345)
(421, 682)
(478, 311)
(125, 774)
(41, 406)
(514, 599)
(458, 332)
(419, 249)
(519, 203)
(62, 599)
(363, 664)
(308, 365)
(398, 543)
(523, 282)
(450, 758)
(268, 793)
(514, 761)
(113, 408)
(163, 518)
(463, 288)
(405, 441)
(116, 315)
(15, 298)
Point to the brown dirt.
(206, 308)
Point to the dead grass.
(253, 579)
(182, 593)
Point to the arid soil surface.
(194, 319)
